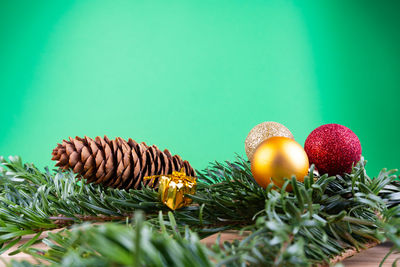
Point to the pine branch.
(319, 220)
(30, 199)
(118, 245)
(140, 244)
(391, 194)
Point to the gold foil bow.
(173, 187)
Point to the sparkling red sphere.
(333, 149)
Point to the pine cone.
(117, 163)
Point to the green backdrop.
(196, 76)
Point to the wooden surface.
(367, 258)
(372, 257)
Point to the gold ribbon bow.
(173, 187)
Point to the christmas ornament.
(172, 188)
(277, 158)
(117, 163)
(262, 132)
(333, 148)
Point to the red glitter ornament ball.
(333, 149)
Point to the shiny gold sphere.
(262, 132)
(277, 158)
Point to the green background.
(196, 76)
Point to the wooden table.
(367, 258)
(372, 257)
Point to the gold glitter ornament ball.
(277, 158)
(262, 132)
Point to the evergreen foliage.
(319, 220)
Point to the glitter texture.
(262, 132)
(333, 149)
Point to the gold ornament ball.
(262, 132)
(277, 158)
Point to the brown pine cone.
(117, 163)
